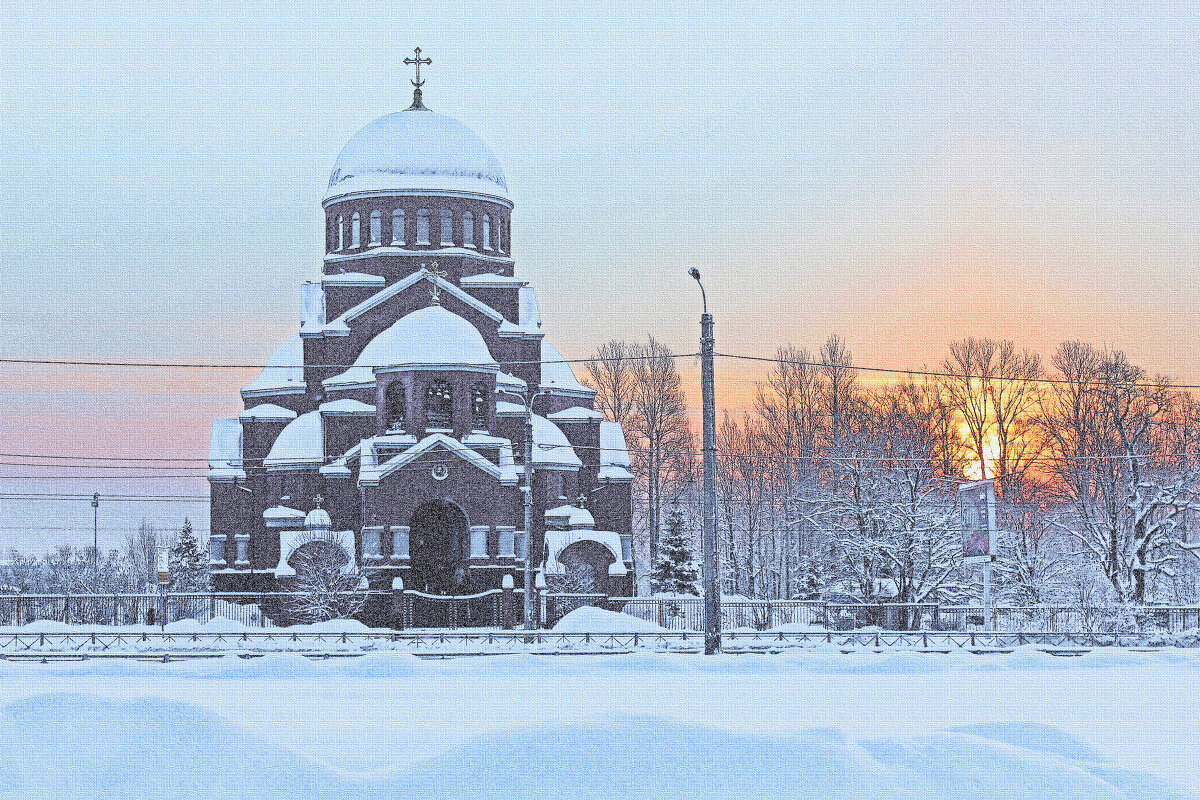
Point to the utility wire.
(53, 362)
(598, 359)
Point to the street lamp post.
(710, 572)
(528, 400)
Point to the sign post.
(164, 578)
(977, 509)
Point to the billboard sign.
(164, 566)
(977, 510)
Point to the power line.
(598, 359)
(925, 373)
(53, 362)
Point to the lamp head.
(695, 273)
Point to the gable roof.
(371, 472)
(340, 325)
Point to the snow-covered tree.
(326, 585)
(189, 562)
(1125, 469)
(675, 571)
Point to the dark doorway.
(439, 540)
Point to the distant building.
(396, 407)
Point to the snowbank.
(588, 619)
(165, 748)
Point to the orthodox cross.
(581, 501)
(431, 274)
(417, 83)
(318, 500)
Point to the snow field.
(814, 724)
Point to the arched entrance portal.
(439, 542)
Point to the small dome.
(284, 370)
(429, 336)
(318, 519)
(417, 151)
(300, 443)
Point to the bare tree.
(662, 438)
(611, 375)
(141, 549)
(996, 391)
(789, 403)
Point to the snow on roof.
(506, 381)
(267, 411)
(429, 336)
(613, 449)
(347, 406)
(558, 541)
(282, 516)
(225, 451)
(507, 409)
(284, 371)
(312, 306)
(570, 517)
(417, 151)
(558, 376)
(353, 378)
(530, 318)
(340, 325)
(614, 454)
(576, 414)
(484, 440)
(353, 279)
(301, 443)
(486, 280)
(371, 472)
(429, 252)
(550, 446)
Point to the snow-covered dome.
(417, 151)
(318, 519)
(284, 372)
(429, 336)
(300, 444)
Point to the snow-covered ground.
(820, 723)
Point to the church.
(392, 424)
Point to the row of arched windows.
(493, 232)
(439, 406)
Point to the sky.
(902, 175)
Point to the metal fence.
(418, 610)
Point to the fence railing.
(418, 610)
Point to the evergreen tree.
(675, 570)
(189, 563)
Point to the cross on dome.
(417, 83)
(431, 274)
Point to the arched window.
(468, 229)
(376, 228)
(447, 227)
(487, 232)
(479, 407)
(355, 231)
(398, 226)
(438, 405)
(423, 226)
(394, 408)
(341, 234)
